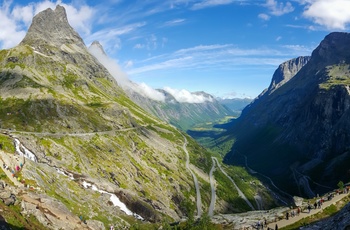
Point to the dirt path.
(292, 220)
(240, 193)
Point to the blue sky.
(228, 48)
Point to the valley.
(80, 150)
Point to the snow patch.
(114, 199)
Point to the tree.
(340, 185)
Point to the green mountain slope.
(91, 157)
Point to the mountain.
(91, 145)
(235, 104)
(77, 153)
(162, 104)
(297, 131)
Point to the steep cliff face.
(298, 131)
(285, 72)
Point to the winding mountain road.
(213, 190)
(195, 180)
(240, 193)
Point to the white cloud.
(279, 8)
(333, 14)
(174, 22)
(110, 37)
(278, 38)
(184, 96)
(210, 3)
(10, 33)
(264, 17)
(139, 46)
(122, 78)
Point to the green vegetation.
(6, 143)
(337, 75)
(16, 221)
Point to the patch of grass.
(6, 143)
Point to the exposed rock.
(286, 71)
(50, 212)
(95, 225)
(51, 27)
(7, 197)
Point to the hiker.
(276, 227)
(287, 215)
(309, 207)
(315, 205)
(298, 211)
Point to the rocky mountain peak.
(97, 47)
(334, 49)
(286, 71)
(51, 27)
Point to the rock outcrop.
(51, 28)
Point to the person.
(112, 227)
(315, 204)
(287, 215)
(298, 211)
(309, 207)
(276, 227)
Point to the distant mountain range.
(297, 131)
(235, 104)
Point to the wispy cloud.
(110, 37)
(210, 3)
(184, 96)
(264, 17)
(278, 8)
(226, 56)
(174, 22)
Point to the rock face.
(286, 71)
(51, 28)
(297, 131)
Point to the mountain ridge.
(302, 124)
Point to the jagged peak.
(286, 71)
(97, 47)
(51, 27)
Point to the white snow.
(114, 199)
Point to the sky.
(227, 48)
